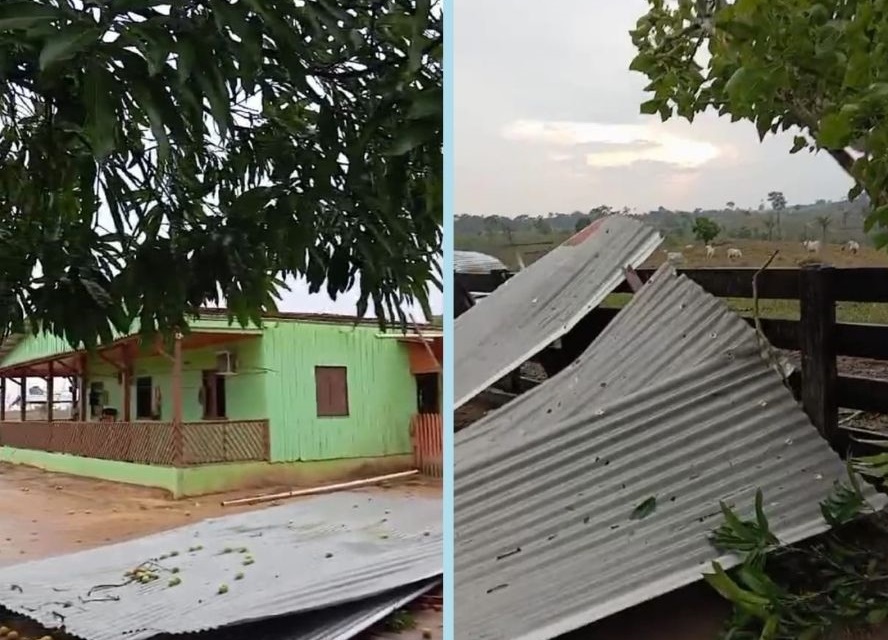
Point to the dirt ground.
(46, 514)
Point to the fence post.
(817, 341)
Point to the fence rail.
(161, 443)
(816, 335)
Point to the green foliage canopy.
(157, 157)
(705, 229)
(818, 67)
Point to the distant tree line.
(773, 219)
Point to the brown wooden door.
(208, 394)
(213, 395)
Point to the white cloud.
(639, 143)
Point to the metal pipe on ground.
(327, 488)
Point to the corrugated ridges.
(543, 302)
(378, 543)
(335, 623)
(689, 412)
(476, 262)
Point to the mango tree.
(156, 155)
(817, 68)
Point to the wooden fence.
(816, 335)
(161, 443)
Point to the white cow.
(675, 257)
(710, 251)
(734, 253)
(812, 246)
(852, 245)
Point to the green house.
(303, 400)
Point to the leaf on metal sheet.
(644, 509)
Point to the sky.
(546, 119)
(299, 300)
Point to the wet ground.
(45, 514)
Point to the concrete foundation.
(183, 482)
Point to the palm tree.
(823, 222)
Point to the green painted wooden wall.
(245, 392)
(382, 392)
(276, 381)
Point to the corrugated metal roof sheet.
(476, 262)
(308, 555)
(672, 401)
(334, 623)
(544, 301)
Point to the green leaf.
(738, 81)
(731, 591)
(185, 59)
(99, 96)
(650, 107)
(877, 616)
(798, 143)
(758, 581)
(24, 15)
(418, 41)
(760, 517)
(769, 630)
(644, 509)
(643, 63)
(835, 131)
(426, 104)
(411, 135)
(67, 43)
(213, 85)
(145, 101)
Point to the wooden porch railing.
(427, 433)
(159, 443)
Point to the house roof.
(672, 402)
(308, 555)
(544, 301)
(212, 327)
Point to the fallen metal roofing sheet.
(307, 555)
(544, 301)
(476, 262)
(334, 623)
(673, 401)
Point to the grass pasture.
(791, 255)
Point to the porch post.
(2, 399)
(75, 397)
(177, 379)
(127, 382)
(84, 388)
(178, 442)
(50, 391)
(23, 383)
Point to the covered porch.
(130, 421)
